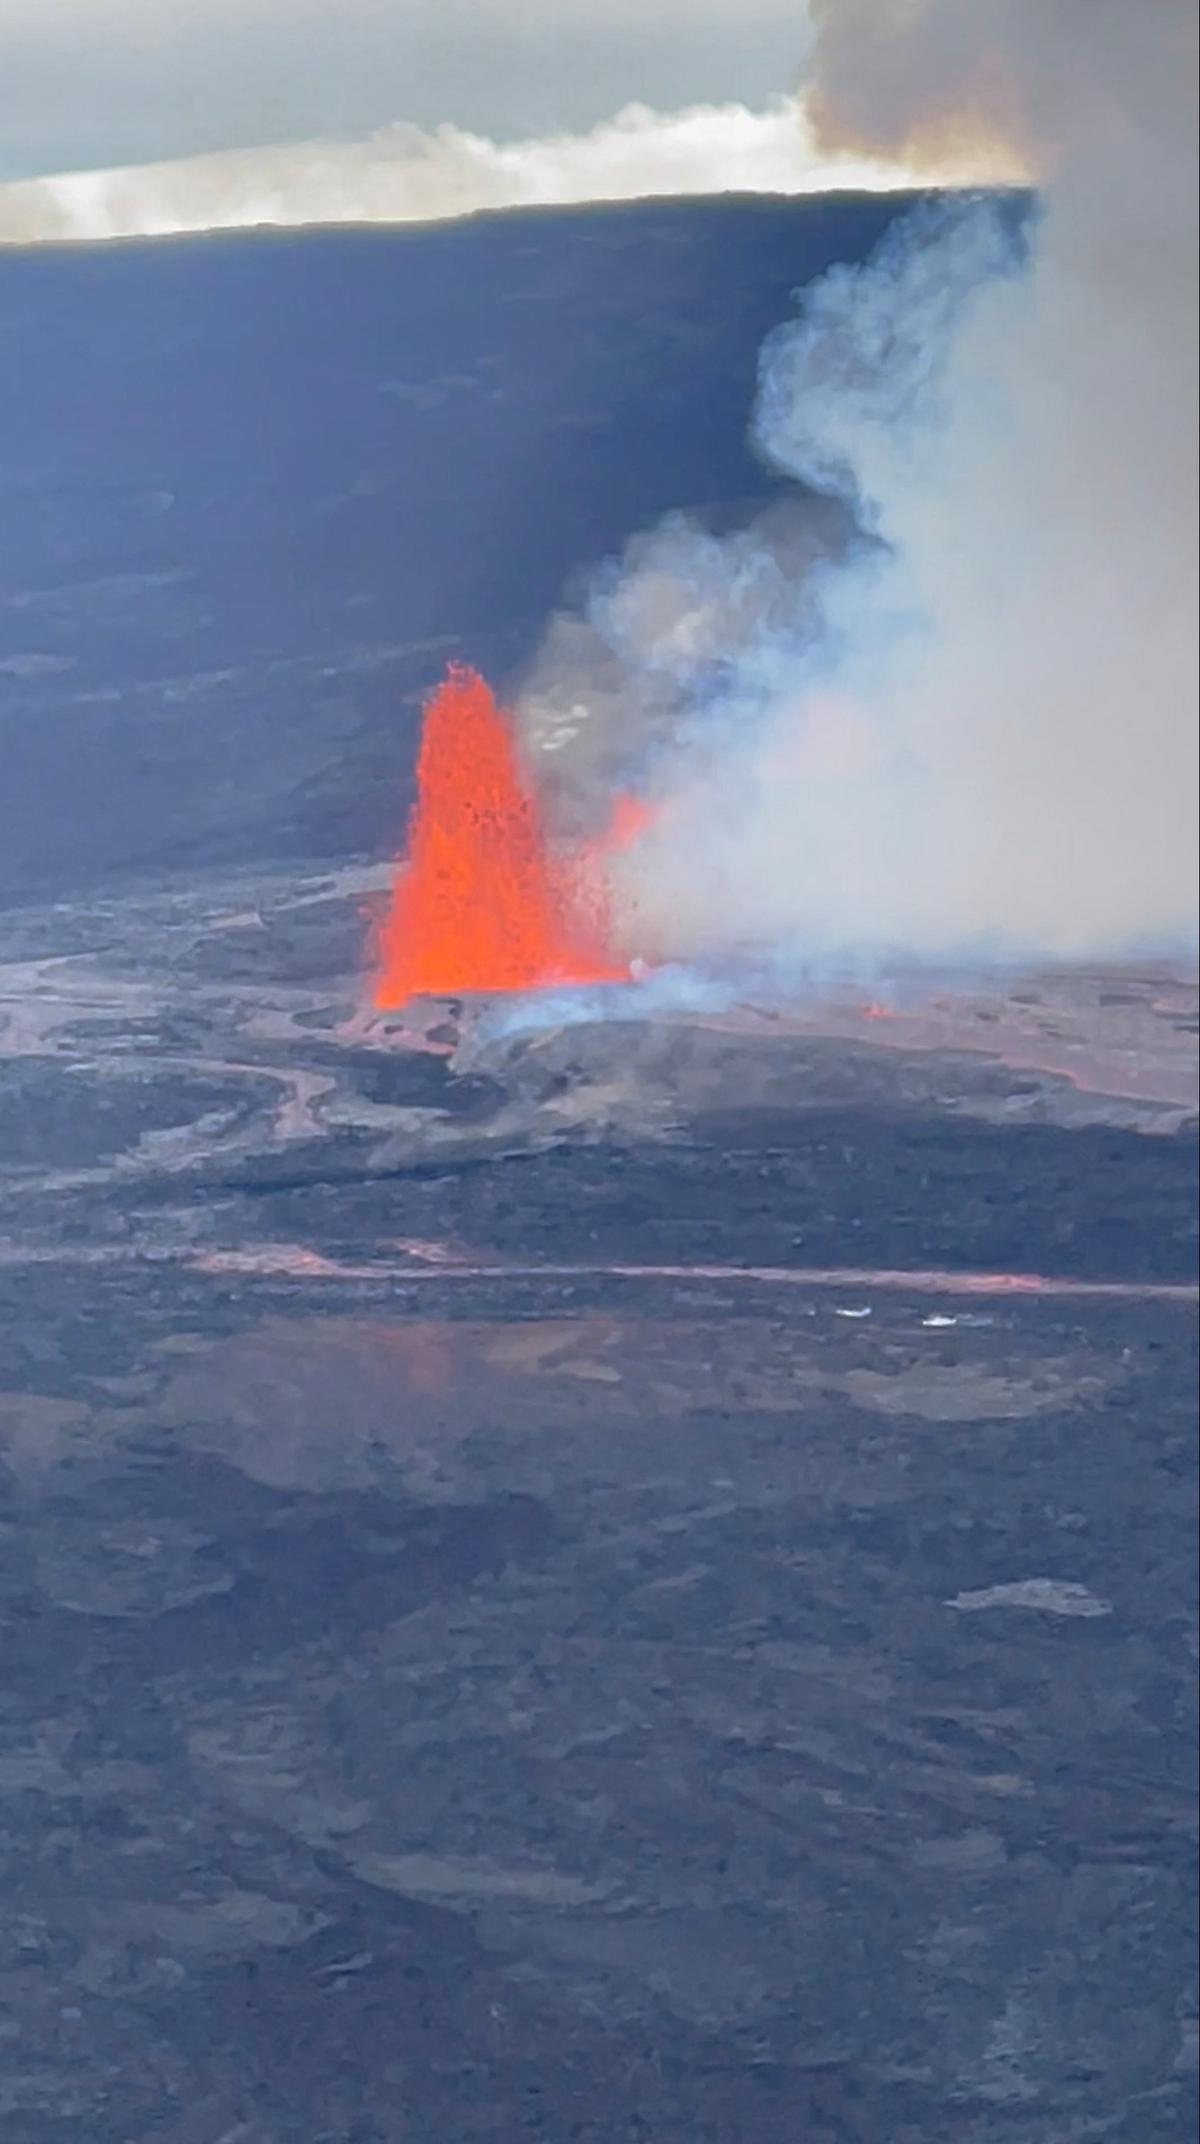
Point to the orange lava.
(631, 816)
(481, 901)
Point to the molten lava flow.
(481, 903)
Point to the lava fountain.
(481, 901)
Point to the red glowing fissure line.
(295, 1261)
(932, 1281)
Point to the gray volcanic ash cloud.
(970, 728)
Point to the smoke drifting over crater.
(409, 174)
(945, 702)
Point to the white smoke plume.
(405, 174)
(971, 731)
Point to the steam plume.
(971, 729)
(405, 174)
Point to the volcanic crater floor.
(607, 1578)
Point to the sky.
(94, 83)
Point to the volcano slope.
(259, 488)
(629, 1578)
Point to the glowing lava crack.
(482, 902)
